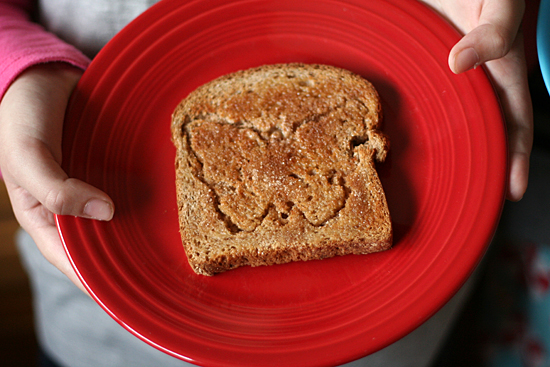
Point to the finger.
(518, 176)
(513, 91)
(491, 38)
(40, 225)
(47, 240)
(40, 174)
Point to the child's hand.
(31, 123)
(493, 37)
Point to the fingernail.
(98, 209)
(466, 60)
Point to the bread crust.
(277, 164)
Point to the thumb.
(491, 38)
(40, 174)
(31, 124)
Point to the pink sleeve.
(24, 43)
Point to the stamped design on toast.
(281, 159)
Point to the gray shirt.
(89, 24)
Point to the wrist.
(60, 74)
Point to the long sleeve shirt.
(24, 43)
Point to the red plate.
(444, 179)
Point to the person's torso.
(89, 24)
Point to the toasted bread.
(277, 164)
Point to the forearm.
(24, 44)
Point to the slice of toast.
(277, 164)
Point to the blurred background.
(18, 346)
